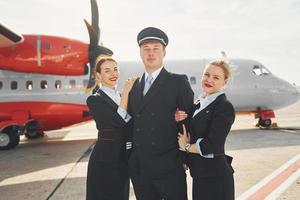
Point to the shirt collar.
(154, 74)
(211, 97)
(108, 89)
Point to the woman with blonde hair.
(210, 124)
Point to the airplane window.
(29, 85)
(14, 85)
(265, 71)
(72, 84)
(193, 80)
(58, 84)
(257, 70)
(1, 85)
(44, 85)
(85, 83)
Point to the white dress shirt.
(154, 74)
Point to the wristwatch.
(186, 147)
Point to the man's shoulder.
(178, 77)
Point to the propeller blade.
(92, 35)
(95, 49)
(95, 18)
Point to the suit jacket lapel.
(210, 106)
(136, 93)
(155, 87)
(107, 99)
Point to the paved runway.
(266, 162)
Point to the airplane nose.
(298, 92)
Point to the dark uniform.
(212, 177)
(155, 163)
(107, 177)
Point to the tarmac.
(266, 161)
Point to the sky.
(264, 30)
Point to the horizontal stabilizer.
(8, 38)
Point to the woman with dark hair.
(107, 176)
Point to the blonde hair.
(223, 65)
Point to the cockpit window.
(260, 70)
(265, 71)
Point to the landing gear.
(266, 123)
(264, 118)
(33, 133)
(32, 130)
(9, 138)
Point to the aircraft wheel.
(9, 140)
(265, 123)
(33, 134)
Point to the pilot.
(107, 176)
(155, 164)
(211, 122)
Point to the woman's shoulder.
(94, 98)
(225, 103)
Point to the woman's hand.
(128, 85)
(124, 96)
(183, 138)
(180, 115)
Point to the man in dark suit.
(156, 166)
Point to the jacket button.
(152, 128)
(138, 115)
(153, 143)
(152, 114)
(137, 129)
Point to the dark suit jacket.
(213, 123)
(111, 144)
(155, 148)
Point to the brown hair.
(223, 65)
(100, 60)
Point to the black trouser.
(170, 187)
(107, 181)
(214, 188)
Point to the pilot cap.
(152, 34)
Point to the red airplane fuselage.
(46, 55)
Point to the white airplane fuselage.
(32, 103)
(248, 89)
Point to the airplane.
(44, 79)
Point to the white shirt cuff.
(199, 149)
(124, 114)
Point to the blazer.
(213, 124)
(111, 144)
(155, 148)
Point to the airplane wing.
(9, 38)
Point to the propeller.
(95, 50)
